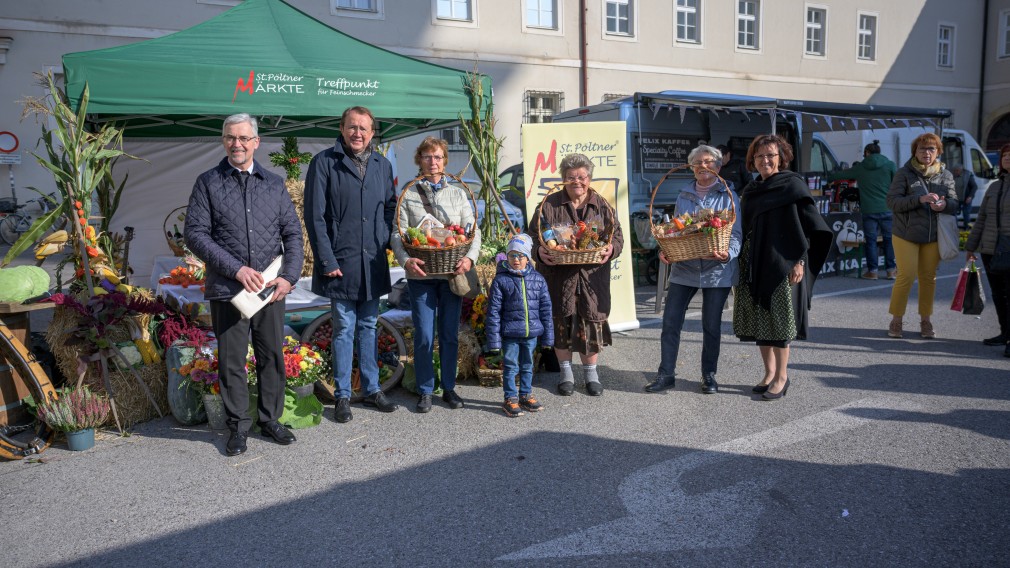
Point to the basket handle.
(655, 190)
(473, 203)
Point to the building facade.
(547, 56)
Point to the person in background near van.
(434, 308)
(965, 187)
(734, 170)
(993, 220)
(922, 190)
(580, 293)
(345, 183)
(715, 276)
(786, 242)
(873, 176)
(240, 217)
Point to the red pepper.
(434, 242)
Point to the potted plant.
(201, 375)
(77, 412)
(303, 366)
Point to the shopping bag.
(962, 285)
(974, 297)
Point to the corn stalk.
(485, 151)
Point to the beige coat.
(451, 204)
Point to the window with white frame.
(688, 21)
(748, 20)
(620, 16)
(454, 139)
(866, 38)
(815, 31)
(368, 9)
(542, 14)
(453, 10)
(541, 106)
(365, 5)
(945, 46)
(1004, 33)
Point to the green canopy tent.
(264, 57)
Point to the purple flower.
(500, 257)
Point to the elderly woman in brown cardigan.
(580, 293)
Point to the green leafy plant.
(78, 159)
(485, 151)
(290, 158)
(75, 409)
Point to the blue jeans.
(517, 358)
(966, 215)
(871, 223)
(432, 304)
(353, 320)
(678, 298)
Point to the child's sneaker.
(512, 408)
(529, 403)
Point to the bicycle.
(17, 221)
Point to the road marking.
(664, 521)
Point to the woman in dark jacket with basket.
(580, 293)
(922, 190)
(432, 302)
(993, 221)
(785, 244)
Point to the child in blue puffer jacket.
(518, 315)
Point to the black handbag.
(974, 297)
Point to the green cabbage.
(22, 282)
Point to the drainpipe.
(981, 75)
(583, 64)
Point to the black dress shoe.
(278, 432)
(452, 399)
(997, 340)
(708, 384)
(775, 396)
(342, 410)
(661, 384)
(380, 402)
(424, 403)
(566, 388)
(594, 388)
(236, 443)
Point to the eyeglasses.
(516, 255)
(242, 139)
(763, 157)
(581, 179)
(356, 129)
(432, 157)
(705, 163)
(930, 149)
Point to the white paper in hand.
(248, 303)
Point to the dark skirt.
(573, 333)
(788, 317)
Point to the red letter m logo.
(241, 85)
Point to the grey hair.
(705, 149)
(238, 119)
(574, 162)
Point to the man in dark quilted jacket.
(240, 217)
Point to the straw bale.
(297, 190)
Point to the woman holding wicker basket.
(785, 244)
(714, 274)
(578, 280)
(434, 307)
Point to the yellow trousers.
(915, 261)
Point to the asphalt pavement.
(885, 452)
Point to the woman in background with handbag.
(432, 301)
(922, 190)
(989, 235)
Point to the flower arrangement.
(290, 158)
(75, 409)
(303, 365)
(201, 372)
